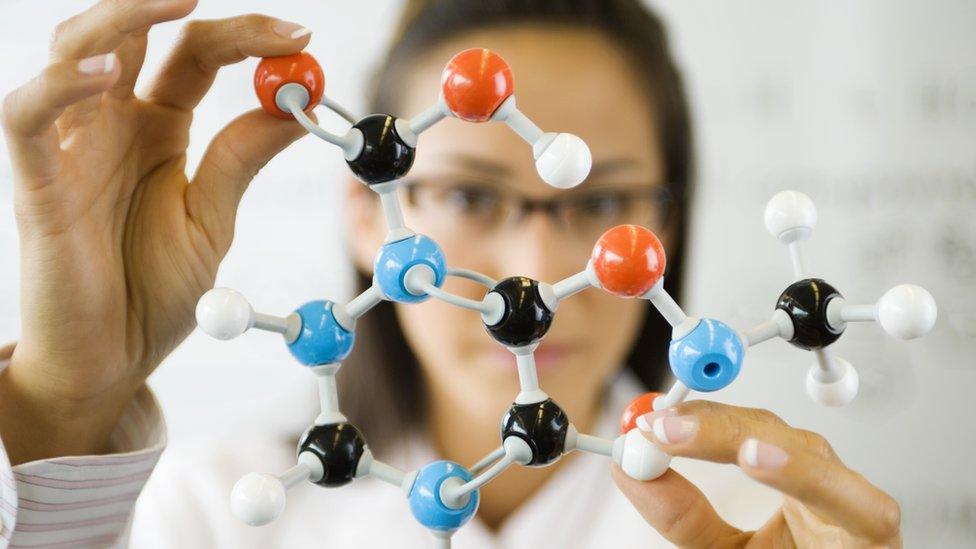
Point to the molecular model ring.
(627, 261)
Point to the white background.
(870, 107)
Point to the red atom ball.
(641, 405)
(475, 83)
(628, 260)
(274, 72)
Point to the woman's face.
(566, 81)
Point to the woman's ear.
(366, 225)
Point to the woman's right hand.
(117, 243)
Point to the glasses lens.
(592, 213)
(463, 206)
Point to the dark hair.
(381, 384)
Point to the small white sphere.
(790, 215)
(837, 392)
(907, 311)
(257, 499)
(224, 313)
(565, 163)
(640, 458)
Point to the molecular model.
(628, 261)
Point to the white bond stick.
(474, 276)
(351, 143)
(335, 107)
(523, 126)
(396, 228)
(528, 376)
(419, 280)
(676, 395)
(779, 325)
(442, 540)
(297, 473)
(363, 302)
(487, 460)
(387, 473)
(797, 259)
(328, 395)
(430, 116)
(839, 312)
(288, 326)
(830, 369)
(452, 494)
(571, 285)
(594, 444)
(666, 305)
(761, 332)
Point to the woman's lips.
(547, 356)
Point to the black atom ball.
(385, 156)
(338, 446)
(526, 317)
(542, 425)
(806, 303)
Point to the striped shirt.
(82, 501)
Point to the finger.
(711, 431)
(103, 27)
(826, 486)
(677, 509)
(233, 158)
(205, 46)
(29, 112)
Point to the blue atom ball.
(708, 358)
(395, 259)
(322, 340)
(425, 497)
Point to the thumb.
(678, 510)
(231, 161)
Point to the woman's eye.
(470, 200)
(602, 205)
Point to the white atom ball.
(257, 499)
(839, 392)
(641, 459)
(790, 215)
(907, 311)
(565, 163)
(224, 313)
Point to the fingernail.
(99, 64)
(674, 430)
(291, 31)
(645, 422)
(762, 455)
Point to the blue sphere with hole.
(709, 357)
(321, 340)
(396, 258)
(425, 497)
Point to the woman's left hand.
(824, 503)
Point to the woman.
(118, 244)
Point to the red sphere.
(475, 83)
(274, 72)
(628, 260)
(641, 405)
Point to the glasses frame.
(518, 205)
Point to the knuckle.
(8, 111)
(61, 30)
(817, 444)
(763, 415)
(254, 20)
(889, 525)
(733, 431)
